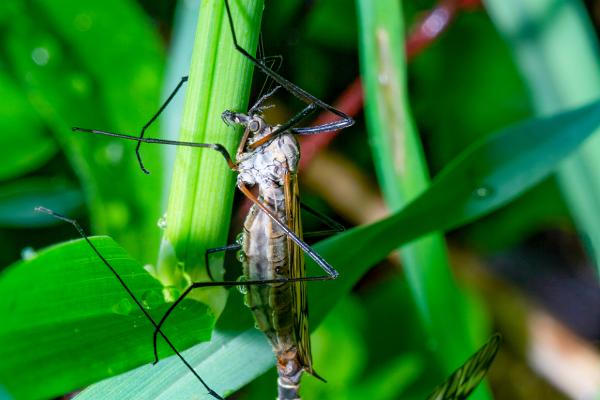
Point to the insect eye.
(254, 126)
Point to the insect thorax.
(267, 165)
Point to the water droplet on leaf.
(123, 307)
(28, 253)
(150, 298)
(40, 56)
(243, 289)
(162, 222)
(483, 191)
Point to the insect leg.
(214, 146)
(160, 110)
(129, 292)
(344, 121)
(336, 227)
(229, 247)
(320, 261)
(198, 285)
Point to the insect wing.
(296, 259)
(465, 379)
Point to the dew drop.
(243, 289)
(114, 152)
(123, 307)
(171, 293)
(40, 56)
(80, 84)
(28, 253)
(436, 22)
(150, 298)
(483, 191)
(240, 255)
(239, 239)
(162, 222)
(83, 22)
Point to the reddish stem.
(423, 33)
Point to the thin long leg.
(334, 225)
(344, 121)
(320, 261)
(129, 292)
(198, 285)
(160, 110)
(229, 247)
(214, 146)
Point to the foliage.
(67, 323)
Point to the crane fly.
(271, 247)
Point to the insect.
(272, 247)
(467, 377)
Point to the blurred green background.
(519, 247)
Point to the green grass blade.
(403, 174)
(556, 49)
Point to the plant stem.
(201, 194)
(403, 175)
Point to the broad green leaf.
(67, 322)
(228, 362)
